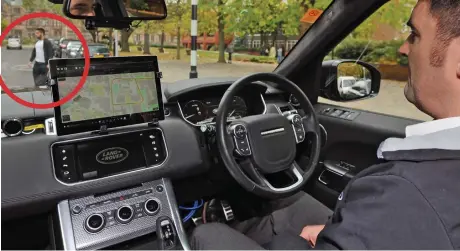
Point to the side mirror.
(115, 10)
(349, 80)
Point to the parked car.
(63, 42)
(55, 43)
(14, 43)
(72, 49)
(96, 50)
(363, 86)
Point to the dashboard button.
(77, 209)
(159, 188)
(297, 120)
(95, 223)
(239, 131)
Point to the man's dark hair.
(447, 12)
(41, 30)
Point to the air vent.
(12, 127)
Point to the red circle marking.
(314, 13)
(85, 53)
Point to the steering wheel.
(258, 146)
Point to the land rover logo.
(112, 155)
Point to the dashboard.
(200, 108)
(188, 104)
(204, 111)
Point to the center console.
(96, 157)
(104, 220)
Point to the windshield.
(74, 45)
(98, 49)
(348, 82)
(257, 35)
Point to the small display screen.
(110, 156)
(118, 91)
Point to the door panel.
(353, 137)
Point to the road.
(15, 71)
(390, 100)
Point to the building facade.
(13, 9)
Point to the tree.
(179, 10)
(41, 5)
(148, 27)
(4, 23)
(291, 13)
(125, 34)
(395, 14)
(220, 9)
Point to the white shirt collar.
(432, 126)
(436, 134)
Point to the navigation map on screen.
(109, 95)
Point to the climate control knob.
(95, 223)
(125, 214)
(151, 207)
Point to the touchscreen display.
(118, 91)
(109, 95)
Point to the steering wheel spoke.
(295, 172)
(252, 172)
(310, 124)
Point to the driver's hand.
(310, 233)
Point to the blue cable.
(195, 206)
(189, 216)
(193, 210)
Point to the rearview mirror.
(119, 10)
(349, 80)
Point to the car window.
(98, 49)
(376, 41)
(257, 34)
(348, 82)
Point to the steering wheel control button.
(240, 132)
(159, 188)
(151, 207)
(95, 223)
(242, 147)
(297, 126)
(77, 209)
(297, 120)
(125, 214)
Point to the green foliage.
(256, 59)
(165, 46)
(4, 23)
(378, 52)
(139, 5)
(27, 40)
(353, 48)
(41, 5)
(386, 53)
(394, 13)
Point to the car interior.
(210, 149)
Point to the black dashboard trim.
(175, 91)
